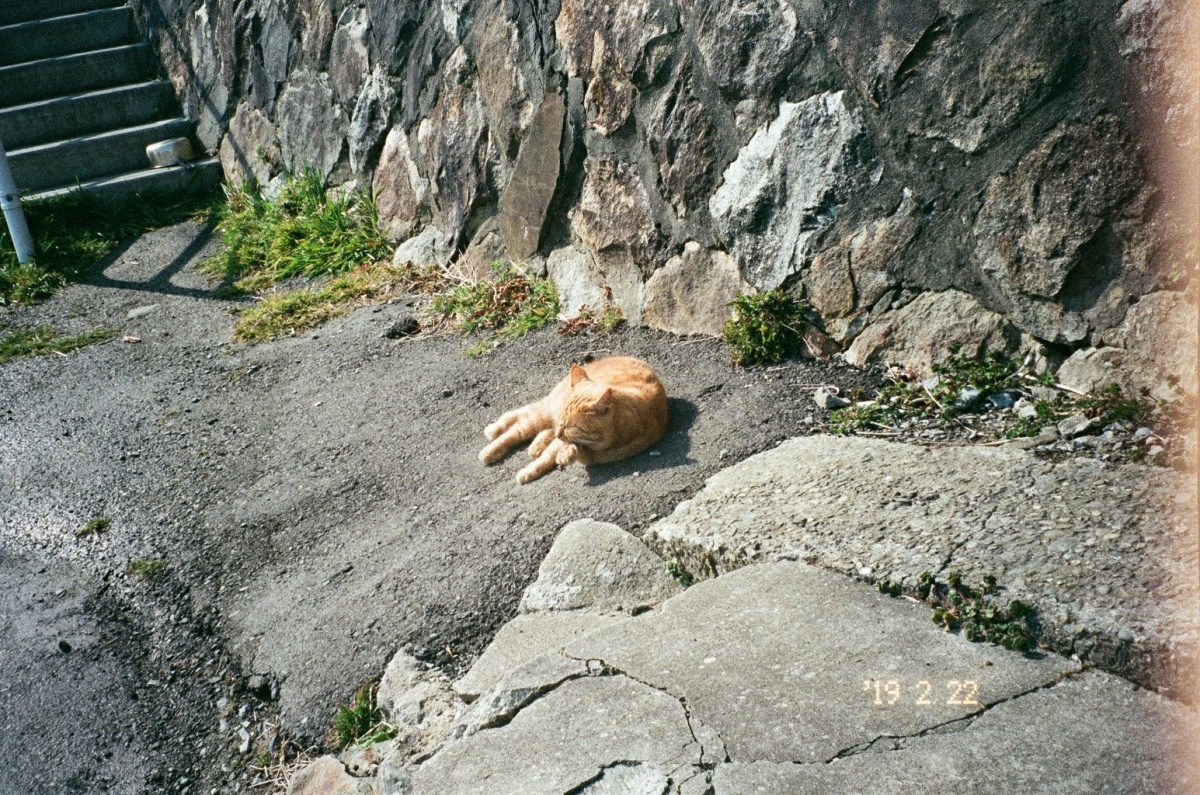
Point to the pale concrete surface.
(1107, 554)
(786, 678)
(1092, 733)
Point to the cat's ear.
(605, 400)
(578, 374)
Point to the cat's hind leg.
(525, 425)
(546, 462)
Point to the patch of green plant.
(1032, 426)
(44, 340)
(509, 304)
(73, 233)
(975, 612)
(1111, 404)
(94, 527)
(681, 575)
(146, 567)
(607, 321)
(765, 328)
(888, 587)
(303, 232)
(940, 397)
(360, 723)
(284, 313)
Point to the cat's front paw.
(566, 455)
(527, 475)
(490, 455)
(493, 430)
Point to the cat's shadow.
(672, 451)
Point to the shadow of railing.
(161, 281)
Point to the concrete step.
(61, 164)
(70, 74)
(14, 11)
(82, 114)
(199, 177)
(48, 38)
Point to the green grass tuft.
(146, 567)
(765, 328)
(360, 723)
(509, 305)
(44, 340)
(281, 314)
(303, 232)
(73, 233)
(94, 527)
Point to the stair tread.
(87, 31)
(81, 95)
(73, 17)
(100, 137)
(115, 181)
(16, 12)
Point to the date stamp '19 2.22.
(891, 692)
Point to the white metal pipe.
(10, 203)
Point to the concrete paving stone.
(1092, 733)
(790, 663)
(522, 640)
(326, 776)
(564, 740)
(599, 566)
(1096, 548)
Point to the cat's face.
(585, 417)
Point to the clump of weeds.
(145, 568)
(1112, 404)
(681, 575)
(507, 305)
(45, 340)
(961, 384)
(765, 328)
(976, 612)
(606, 321)
(283, 313)
(303, 232)
(94, 527)
(73, 233)
(360, 722)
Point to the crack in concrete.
(601, 773)
(611, 670)
(505, 716)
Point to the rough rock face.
(857, 154)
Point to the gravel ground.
(317, 502)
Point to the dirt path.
(317, 500)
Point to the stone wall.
(919, 172)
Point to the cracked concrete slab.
(1107, 554)
(563, 740)
(1091, 733)
(521, 641)
(788, 662)
(600, 567)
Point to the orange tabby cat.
(604, 411)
